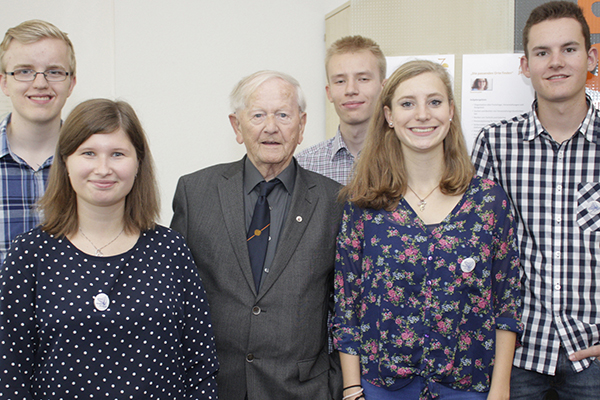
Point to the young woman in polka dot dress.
(100, 302)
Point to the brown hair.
(556, 10)
(98, 116)
(380, 178)
(353, 44)
(32, 31)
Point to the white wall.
(176, 62)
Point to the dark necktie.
(258, 233)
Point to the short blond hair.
(32, 31)
(353, 44)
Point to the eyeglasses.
(28, 75)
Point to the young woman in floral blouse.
(427, 268)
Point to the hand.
(498, 393)
(593, 351)
(505, 395)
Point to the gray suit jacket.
(272, 345)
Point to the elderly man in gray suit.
(262, 232)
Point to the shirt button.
(429, 283)
(559, 188)
(557, 254)
(558, 220)
(557, 286)
(430, 258)
(256, 310)
(250, 357)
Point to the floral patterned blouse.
(414, 301)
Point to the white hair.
(245, 88)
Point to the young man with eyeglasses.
(37, 63)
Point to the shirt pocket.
(588, 206)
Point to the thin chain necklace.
(422, 202)
(99, 250)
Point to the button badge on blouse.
(101, 301)
(467, 265)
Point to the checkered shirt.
(20, 188)
(555, 193)
(330, 158)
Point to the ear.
(302, 126)
(73, 82)
(388, 114)
(525, 66)
(327, 90)
(3, 84)
(235, 124)
(592, 59)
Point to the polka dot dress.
(131, 326)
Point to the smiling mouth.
(557, 77)
(41, 98)
(423, 130)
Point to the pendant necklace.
(99, 250)
(422, 202)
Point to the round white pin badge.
(101, 301)
(467, 265)
(594, 207)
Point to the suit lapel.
(231, 196)
(303, 204)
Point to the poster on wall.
(447, 61)
(493, 89)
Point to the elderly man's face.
(271, 126)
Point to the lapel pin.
(299, 218)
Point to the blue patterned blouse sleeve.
(347, 283)
(505, 263)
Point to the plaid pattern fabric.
(20, 188)
(330, 158)
(555, 192)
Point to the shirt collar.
(252, 176)
(586, 128)
(338, 144)
(4, 148)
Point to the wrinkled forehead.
(274, 92)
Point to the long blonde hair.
(380, 178)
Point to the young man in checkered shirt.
(355, 67)
(548, 161)
(37, 73)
